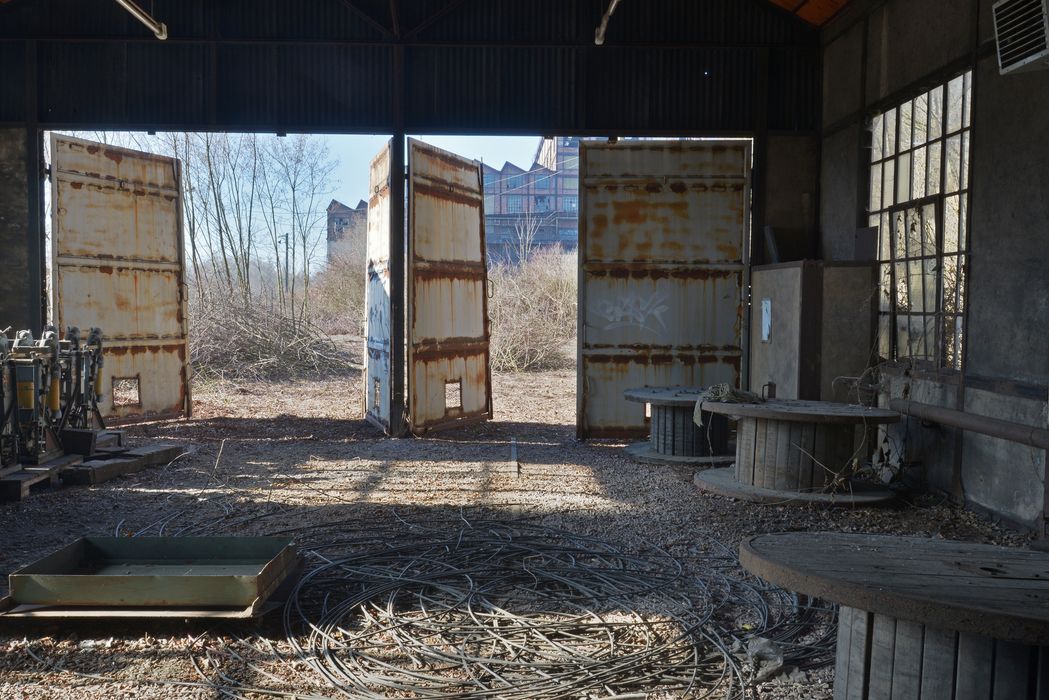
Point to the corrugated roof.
(817, 12)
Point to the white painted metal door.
(377, 324)
(118, 263)
(449, 376)
(663, 245)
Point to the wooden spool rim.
(675, 396)
(1001, 592)
(804, 411)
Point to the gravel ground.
(295, 455)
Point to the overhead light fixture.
(159, 29)
(599, 35)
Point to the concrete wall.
(912, 45)
(20, 292)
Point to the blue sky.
(354, 153)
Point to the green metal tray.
(163, 572)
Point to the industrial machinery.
(8, 445)
(50, 394)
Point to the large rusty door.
(118, 263)
(378, 395)
(663, 237)
(449, 376)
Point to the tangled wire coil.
(516, 610)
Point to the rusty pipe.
(984, 425)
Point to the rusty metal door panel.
(118, 263)
(663, 237)
(378, 316)
(448, 334)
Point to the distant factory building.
(347, 229)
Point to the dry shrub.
(337, 297)
(533, 311)
(253, 340)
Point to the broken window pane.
(885, 288)
(903, 303)
(920, 117)
(888, 187)
(918, 173)
(932, 167)
(929, 230)
(903, 336)
(906, 124)
(951, 278)
(953, 164)
(965, 160)
(916, 289)
(899, 235)
(885, 234)
(962, 291)
(967, 101)
(950, 224)
(875, 199)
(935, 113)
(930, 273)
(955, 103)
(963, 222)
(890, 133)
(885, 336)
(876, 137)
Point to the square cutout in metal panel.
(126, 392)
(453, 396)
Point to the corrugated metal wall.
(682, 66)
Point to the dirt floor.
(294, 457)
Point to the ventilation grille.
(1022, 31)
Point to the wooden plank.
(773, 467)
(974, 668)
(745, 452)
(1013, 664)
(883, 649)
(938, 656)
(760, 463)
(859, 656)
(805, 411)
(816, 477)
(907, 661)
(843, 652)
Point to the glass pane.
(890, 132)
(876, 137)
(875, 201)
(967, 100)
(932, 166)
(918, 334)
(885, 234)
(885, 288)
(915, 290)
(906, 124)
(965, 160)
(962, 289)
(963, 223)
(920, 117)
(930, 269)
(903, 336)
(914, 233)
(929, 229)
(903, 178)
(899, 235)
(903, 302)
(888, 187)
(951, 278)
(885, 336)
(955, 103)
(953, 164)
(918, 170)
(935, 113)
(950, 224)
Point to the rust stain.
(92, 149)
(114, 156)
(678, 187)
(106, 270)
(76, 185)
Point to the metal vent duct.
(1022, 30)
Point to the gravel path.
(295, 456)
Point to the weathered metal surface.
(449, 375)
(118, 263)
(663, 236)
(377, 323)
(156, 571)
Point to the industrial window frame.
(515, 204)
(931, 262)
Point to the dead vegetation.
(533, 311)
